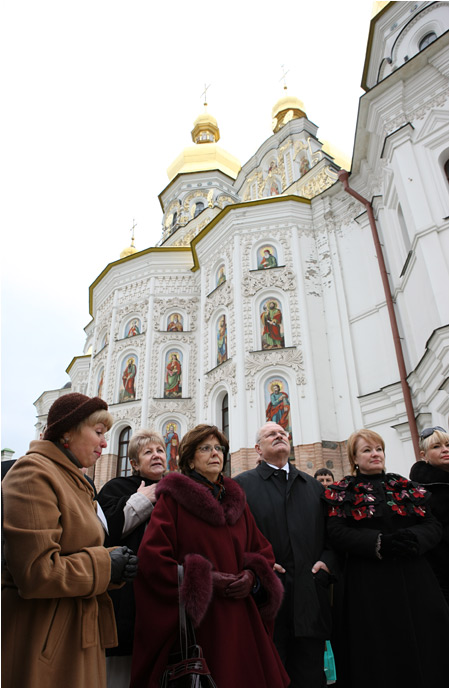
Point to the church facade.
(265, 300)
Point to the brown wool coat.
(57, 618)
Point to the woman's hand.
(124, 564)
(242, 586)
(148, 491)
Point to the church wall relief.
(271, 323)
(267, 257)
(133, 327)
(222, 339)
(173, 374)
(277, 403)
(175, 323)
(171, 434)
(128, 376)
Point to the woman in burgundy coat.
(202, 520)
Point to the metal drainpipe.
(343, 178)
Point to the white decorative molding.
(254, 282)
(226, 371)
(257, 361)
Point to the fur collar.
(422, 472)
(198, 500)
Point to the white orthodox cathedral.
(267, 297)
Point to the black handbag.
(186, 666)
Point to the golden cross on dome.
(204, 94)
(284, 76)
(132, 232)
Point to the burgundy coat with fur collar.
(190, 527)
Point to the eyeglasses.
(210, 448)
(429, 431)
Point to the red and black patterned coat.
(392, 619)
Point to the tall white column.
(305, 425)
(239, 425)
(111, 344)
(149, 337)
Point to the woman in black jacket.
(392, 617)
(127, 502)
(432, 472)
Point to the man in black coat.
(288, 509)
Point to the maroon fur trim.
(269, 582)
(198, 499)
(197, 588)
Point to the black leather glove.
(402, 543)
(242, 586)
(405, 543)
(387, 545)
(123, 564)
(131, 568)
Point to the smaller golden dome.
(206, 130)
(287, 103)
(286, 109)
(128, 251)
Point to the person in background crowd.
(324, 476)
(432, 473)
(230, 592)
(287, 508)
(127, 502)
(57, 618)
(393, 618)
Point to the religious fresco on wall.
(173, 373)
(267, 257)
(172, 441)
(222, 351)
(128, 377)
(278, 406)
(220, 275)
(272, 331)
(175, 323)
(100, 378)
(304, 164)
(133, 327)
(274, 188)
(103, 341)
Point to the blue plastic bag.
(329, 664)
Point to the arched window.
(225, 418)
(446, 169)
(427, 39)
(199, 206)
(123, 462)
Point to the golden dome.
(128, 251)
(286, 109)
(205, 154)
(205, 129)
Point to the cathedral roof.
(205, 154)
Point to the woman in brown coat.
(57, 618)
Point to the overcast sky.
(99, 97)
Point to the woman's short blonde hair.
(139, 440)
(100, 416)
(368, 436)
(437, 437)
